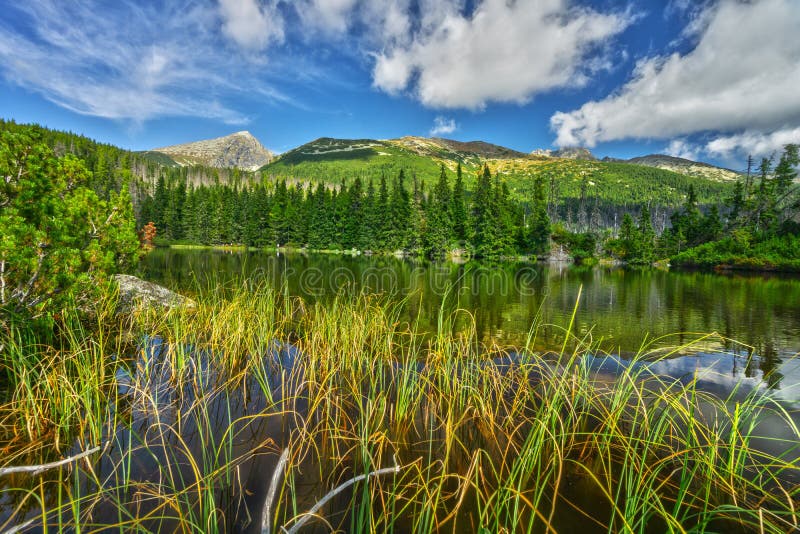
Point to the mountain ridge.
(243, 151)
(238, 150)
(685, 166)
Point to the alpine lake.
(724, 345)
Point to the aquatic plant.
(465, 436)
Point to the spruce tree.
(458, 210)
(645, 249)
(440, 225)
(483, 222)
(369, 224)
(383, 219)
(537, 233)
(400, 214)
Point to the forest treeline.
(756, 228)
(754, 224)
(382, 215)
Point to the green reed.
(481, 446)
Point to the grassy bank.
(779, 253)
(193, 408)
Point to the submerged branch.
(330, 495)
(266, 516)
(36, 469)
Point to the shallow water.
(264, 422)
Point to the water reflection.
(619, 310)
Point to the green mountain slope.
(330, 160)
(159, 158)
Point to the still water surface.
(619, 310)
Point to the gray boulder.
(135, 292)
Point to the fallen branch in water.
(317, 507)
(20, 528)
(266, 516)
(36, 469)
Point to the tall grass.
(488, 440)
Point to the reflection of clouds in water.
(721, 373)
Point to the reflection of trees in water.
(765, 358)
(505, 299)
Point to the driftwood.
(36, 469)
(41, 468)
(266, 516)
(305, 517)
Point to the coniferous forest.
(390, 214)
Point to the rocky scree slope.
(239, 150)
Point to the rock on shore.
(135, 292)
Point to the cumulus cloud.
(250, 24)
(681, 148)
(742, 75)
(500, 52)
(443, 126)
(83, 58)
(753, 143)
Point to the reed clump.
(485, 438)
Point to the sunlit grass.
(487, 439)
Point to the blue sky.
(713, 80)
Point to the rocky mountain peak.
(572, 152)
(238, 150)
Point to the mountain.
(685, 166)
(568, 173)
(570, 183)
(239, 150)
(572, 152)
(459, 150)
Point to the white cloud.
(250, 24)
(501, 52)
(681, 148)
(330, 16)
(443, 126)
(753, 143)
(743, 74)
(115, 63)
(377, 23)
